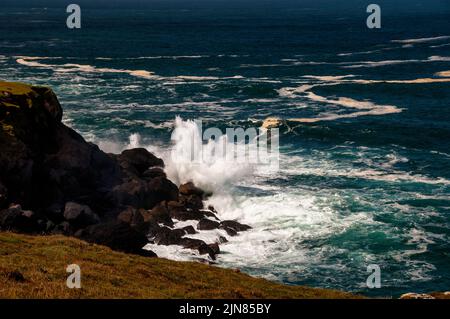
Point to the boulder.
(215, 248)
(234, 225)
(167, 236)
(159, 214)
(16, 219)
(153, 172)
(189, 230)
(79, 215)
(162, 189)
(190, 189)
(138, 160)
(207, 224)
(179, 211)
(117, 235)
(230, 231)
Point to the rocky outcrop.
(53, 181)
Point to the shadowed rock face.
(53, 181)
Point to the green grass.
(42, 261)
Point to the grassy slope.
(107, 274)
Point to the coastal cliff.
(52, 181)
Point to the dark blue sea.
(364, 119)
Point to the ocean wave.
(421, 40)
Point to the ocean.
(364, 171)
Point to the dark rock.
(79, 215)
(116, 235)
(180, 212)
(162, 190)
(230, 231)
(138, 160)
(234, 225)
(215, 248)
(16, 219)
(192, 201)
(190, 189)
(223, 240)
(3, 196)
(207, 250)
(159, 214)
(63, 228)
(153, 172)
(131, 216)
(207, 224)
(189, 230)
(191, 243)
(148, 253)
(167, 236)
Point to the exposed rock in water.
(52, 181)
(207, 224)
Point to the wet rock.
(238, 227)
(166, 236)
(190, 189)
(222, 240)
(215, 248)
(230, 231)
(159, 214)
(207, 224)
(207, 250)
(138, 160)
(79, 215)
(180, 212)
(161, 189)
(193, 202)
(189, 230)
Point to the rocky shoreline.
(54, 182)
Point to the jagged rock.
(153, 172)
(207, 224)
(215, 248)
(162, 190)
(234, 225)
(42, 161)
(131, 216)
(180, 212)
(159, 214)
(230, 231)
(222, 240)
(63, 228)
(190, 189)
(207, 250)
(116, 235)
(166, 236)
(138, 160)
(79, 215)
(193, 202)
(189, 230)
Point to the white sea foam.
(421, 40)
